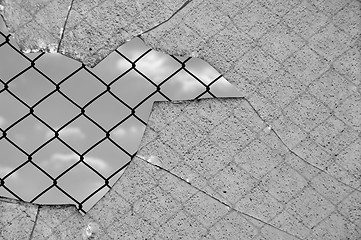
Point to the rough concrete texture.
(148, 203)
(218, 31)
(281, 163)
(85, 30)
(225, 148)
(214, 169)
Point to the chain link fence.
(31, 107)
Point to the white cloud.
(187, 82)
(97, 163)
(20, 138)
(124, 132)
(152, 65)
(58, 159)
(67, 132)
(206, 77)
(6, 170)
(2, 121)
(120, 132)
(190, 86)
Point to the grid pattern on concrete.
(225, 148)
(293, 140)
(84, 30)
(164, 206)
(212, 169)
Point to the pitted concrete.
(86, 30)
(212, 169)
(283, 162)
(225, 148)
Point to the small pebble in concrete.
(267, 129)
(91, 231)
(353, 88)
(52, 48)
(194, 54)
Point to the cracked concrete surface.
(85, 30)
(283, 162)
(222, 173)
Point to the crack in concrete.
(35, 221)
(291, 151)
(159, 166)
(64, 26)
(320, 169)
(176, 12)
(218, 200)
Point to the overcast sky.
(55, 157)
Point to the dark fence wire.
(82, 112)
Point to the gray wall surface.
(282, 162)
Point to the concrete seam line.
(291, 151)
(202, 191)
(283, 143)
(308, 163)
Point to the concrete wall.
(283, 162)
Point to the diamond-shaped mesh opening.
(73, 181)
(108, 116)
(106, 157)
(13, 114)
(129, 129)
(48, 110)
(54, 66)
(167, 66)
(190, 87)
(110, 68)
(30, 179)
(73, 87)
(28, 134)
(13, 158)
(81, 134)
(77, 128)
(12, 65)
(31, 86)
(129, 85)
(54, 158)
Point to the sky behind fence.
(106, 158)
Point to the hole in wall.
(72, 128)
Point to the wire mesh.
(105, 87)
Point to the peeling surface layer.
(84, 30)
(36, 25)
